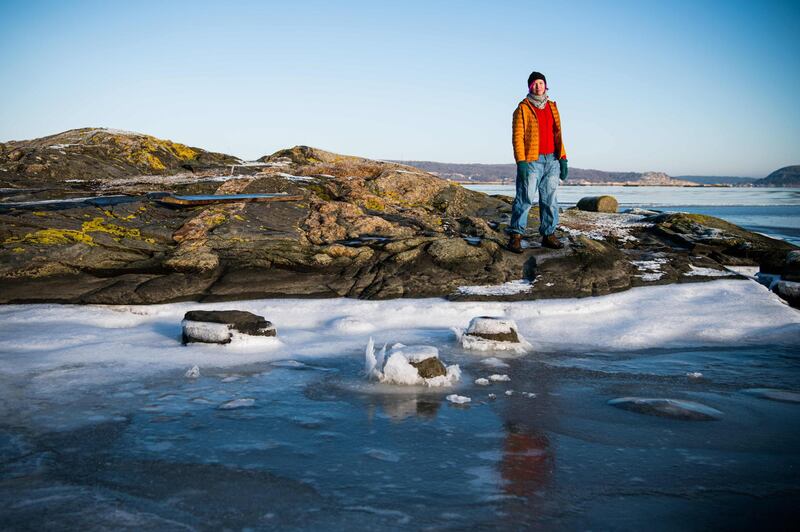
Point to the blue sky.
(703, 87)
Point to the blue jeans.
(540, 175)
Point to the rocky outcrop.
(99, 155)
(363, 228)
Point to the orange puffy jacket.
(525, 132)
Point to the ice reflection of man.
(527, 462)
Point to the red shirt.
(544, 116)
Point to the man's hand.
(564, 169)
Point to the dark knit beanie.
(536, 75)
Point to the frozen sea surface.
(101, 429)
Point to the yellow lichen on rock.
(51, 237)
(99, 225)
(181, 151)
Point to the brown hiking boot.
(550, 241)
(515, 243)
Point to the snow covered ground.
(108, 422)
(147, 338)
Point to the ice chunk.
(672, 408)
(694, 375)
(494, 362)
(458, 399)
(774, 394)
(370, 362)
(482, 382)
(243, 402)
(193, 373)
(499, 378)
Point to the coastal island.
(85, 217)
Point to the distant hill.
(718, 179)
(788, 176)
(505, 173)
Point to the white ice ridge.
(99, 342)
(397, 369)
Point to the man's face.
(539, 87)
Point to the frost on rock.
(211, 333)
(650, 270)
(601, 226)
(707, 272)
(223, 326)
(193, 373)
(492, 334)
(510, 288)
(458, 399)
(398, 368)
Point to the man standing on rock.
(541, 161)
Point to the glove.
(564, 169)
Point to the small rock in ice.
(493, 329)
(499, 378)
(244, 402)
(409, 365)
(458, 399)
(193, 373)
(774, 394)
(509, 392)
(672, 408)
(482, 382)
(218, 326)
(492, 334)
